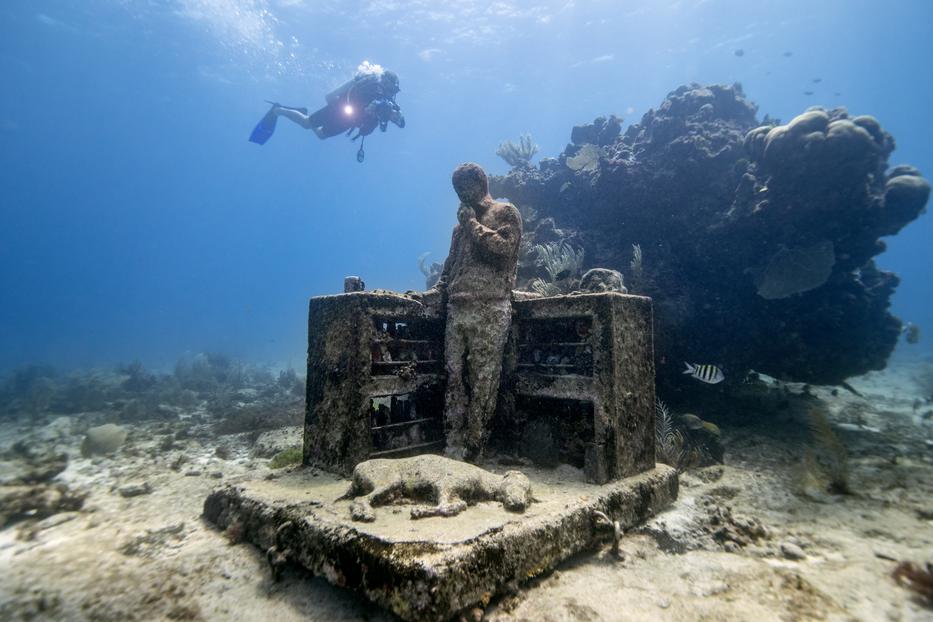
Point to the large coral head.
(470, 183)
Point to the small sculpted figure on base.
(449, 484)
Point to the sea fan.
(636, 264)
(518, 156)
(431, 273)
(540, 286)
(559, 259)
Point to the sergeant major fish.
(710, 374)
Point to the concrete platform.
(429, 569)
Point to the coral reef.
(28, 490)
(597, 280)
(235, 397)
(740, 231)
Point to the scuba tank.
(361, 82)
(340, 93)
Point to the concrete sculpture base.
(431, 568)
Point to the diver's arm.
(395, 115)
(501, 241)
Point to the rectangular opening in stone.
(556, 346)
(399, 344)
(554, 431)
(406, 424)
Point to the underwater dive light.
(348, 110)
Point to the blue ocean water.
(137, 222)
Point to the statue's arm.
(504, 239)
(449, 262)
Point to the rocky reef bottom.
(766, 535)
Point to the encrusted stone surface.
(612, 370)
(431, 568)
(341, 381)
(592, 406)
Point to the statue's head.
(470, 183)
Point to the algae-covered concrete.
(592, 355)
(431, 568)
(361, 346)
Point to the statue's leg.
(381, 495)
(448, 505)
(486, 345)
(456, 395)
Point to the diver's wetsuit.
(351, 106)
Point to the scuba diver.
(362, 104)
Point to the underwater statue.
(478, 278)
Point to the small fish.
(808, 92)
(691, 421)
(739, 52)
(817, 80)
(710, 374)
(788, 54)
(695, 423)
(857, 427)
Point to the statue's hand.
(465, 214)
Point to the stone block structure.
(578, 382)
(374, 388)
(579, 385)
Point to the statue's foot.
(362, 512)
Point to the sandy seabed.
(757, 538)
